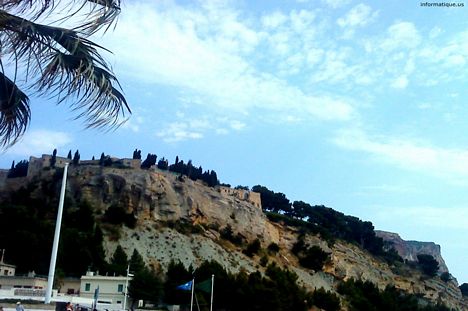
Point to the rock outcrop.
(409, 250)
(159, 200)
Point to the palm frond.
(74, 69)
(33, 8)
(102, 13)
(91, 87)
(14, 111)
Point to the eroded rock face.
(158, 198)
(409, 250)
(161, 196)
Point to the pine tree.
(119, 261)
(69, 156)
(76, 158)
(53, 159)
(137, 154)
(102, 159)
(136, 262)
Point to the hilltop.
(167, 216)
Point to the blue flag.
(96, 293)
(186, 286)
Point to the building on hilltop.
(38, 164)
(241, 194)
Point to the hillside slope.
(181, 219)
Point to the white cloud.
(274, 19)
(196, 128)
(401, 35)
(302, 20)
(435, 32)
(400, 83)
(40, 142)
(237, 125)
(202, 54)
(178, 131)
(335, 4)
(360, 15)
(133, 124)
(450, 164)
(424, 106)
(222, 131)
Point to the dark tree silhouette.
(137, 154)
(20, 169)
(53, 159)
(428, 264)
(76, 158)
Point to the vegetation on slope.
(326, 222)
(365, 296)
(81, 248)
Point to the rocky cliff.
(161, 200)
(409, 250)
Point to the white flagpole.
(212, 287)
(58, 224)
(193, 288)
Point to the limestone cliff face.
(160, 196)
(158, 199)
(409, 250)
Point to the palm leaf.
(68, 66)
(14, 112)
(101, 12)
(100, 103)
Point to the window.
(5, 272)
(120, 288)
(87, 287)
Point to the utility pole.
(126, 287)
(58, 224)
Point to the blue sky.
(357, 105)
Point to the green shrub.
(252, 248)
(464, 289)
(428, 264)
(273, 247)
(445, 276)
(310, 257)
(325, 300)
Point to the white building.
(111, 288)
(6, 269)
